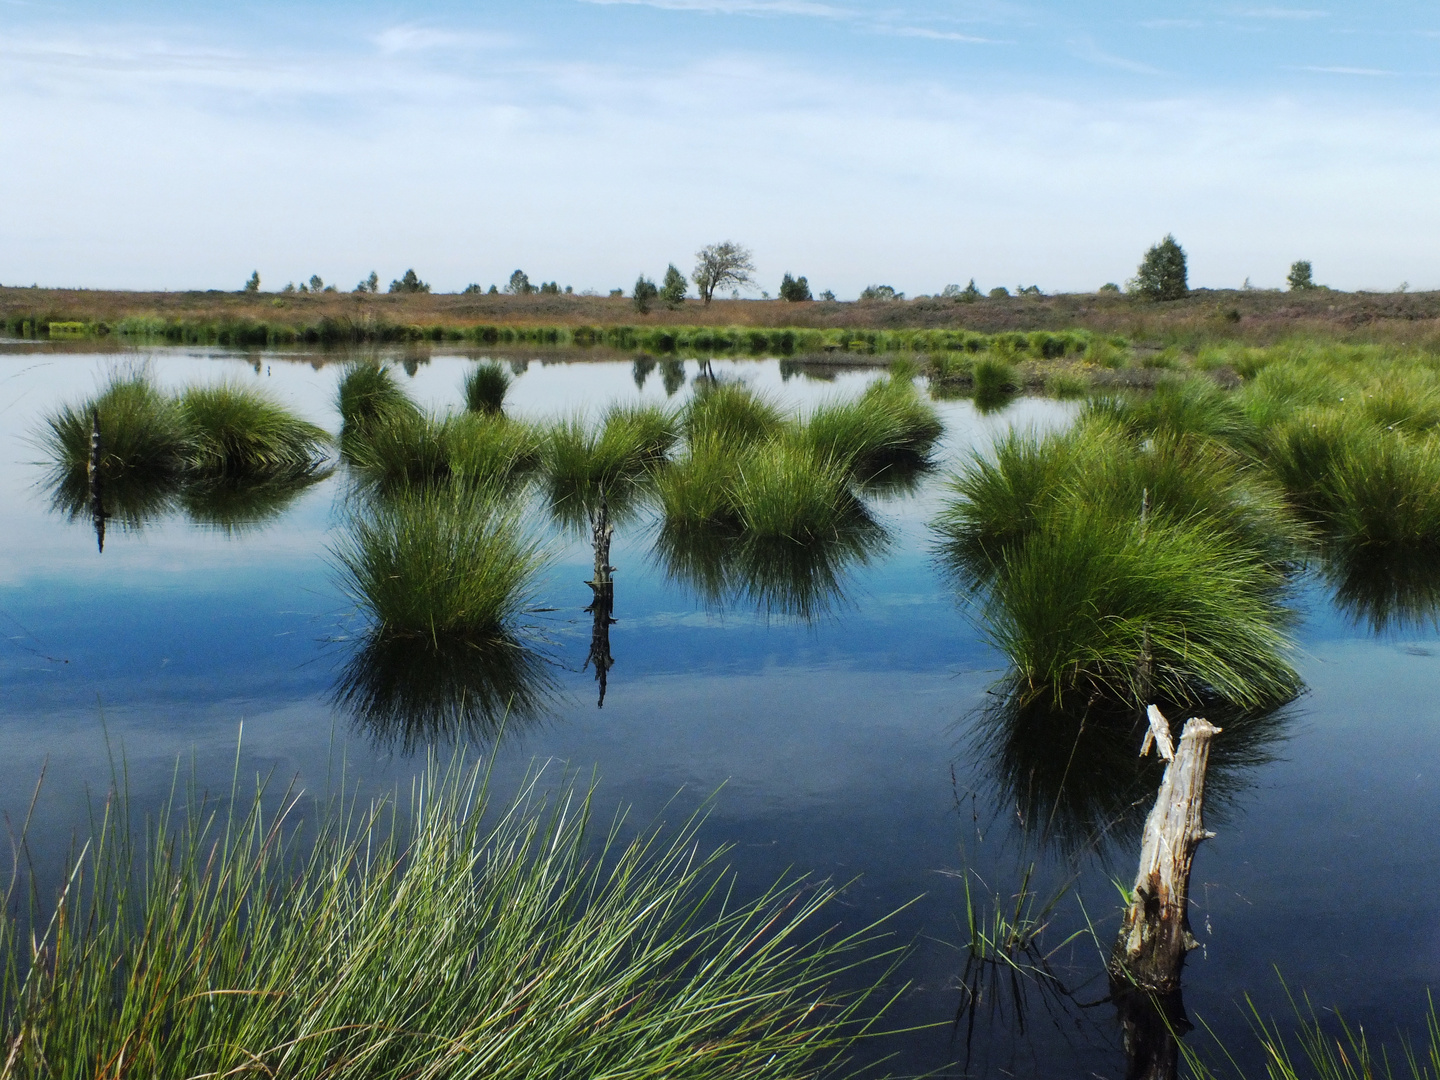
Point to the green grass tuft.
(440, 562)
(730, 412)
(485, 388)
(142, 430)
(408, 449)
(580, 460)
(237, 432)
(368, 393)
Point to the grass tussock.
(889, 426)
(731, 413)
(1105, 564)
(485, 388)
(579, 460)
(439, 562)
(368, 394)
(456, 935)
(411, 449)
(142, 430)
(237, 432)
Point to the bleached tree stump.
(1155, 934)
(601, 606)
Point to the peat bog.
(894, 627)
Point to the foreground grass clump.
(458, 936)
(236, 432)
(1113, 566)
(368, 393)
(1195, 406)
(142, 430)
(409, 448)
(446, 562)
(485, 388)
(787, 490)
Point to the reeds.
(234, 432)
(787, 490)
(485, 388)
(456, 935)
(439, 562)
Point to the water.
(855, 745)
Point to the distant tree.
(1301, 277)
(999, 292)
(409, 283)
(289, 287)
(880, 292)
(615, 294)
(1110, 287)
(550, 288)
(795, 290)
(519, 284)
(827, 295)
(644, 294)
(317, 283)
(721, 265)
(304, 288)
(672, 289)
(1028, 290)
(472, 290)
(370, 284)
(569, 290)
(492, 291)
(1161, 274)
(253, 285)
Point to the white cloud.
(1085, 49)
(929, 34)
(1337, 70)
(741, 7)
(340, 164)
(1297, 14)
(409, 38)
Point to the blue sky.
(170, 145)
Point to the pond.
(847, 732)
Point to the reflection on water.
(775, 576)
(134, 500)
(1073, 780)
(406, 691)
(1385, 590)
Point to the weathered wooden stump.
(1155, 934)
(601, 606)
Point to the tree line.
(1161, 275)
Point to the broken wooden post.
(603, 603)
(1155, 934)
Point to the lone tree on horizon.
(721, 265)
(1161, 274)
(1301, 276)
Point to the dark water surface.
(860, 743)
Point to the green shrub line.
(699, 340)
(457, 934)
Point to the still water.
(856, 742)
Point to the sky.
(917, 144)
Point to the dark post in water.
(603, 603)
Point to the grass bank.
(457, 935)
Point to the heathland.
(1252, 316)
